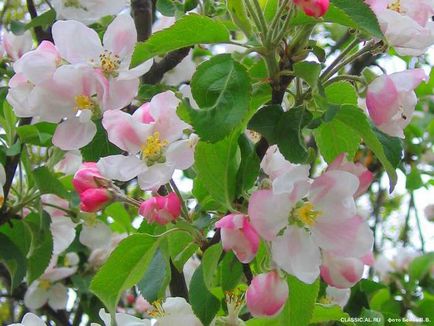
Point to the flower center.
(307, 214)
(152, 149)
(395, 6)
(44, 284)
(157, 310)
(84, 102)
(109, 63)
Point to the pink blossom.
(112, 59)
(359, 170)
(154, 139)
(406, 24)
(93, 199)
(391, 100)
(85, 177)
(239, 235)
(341, 272)
(267, 294)
(300, 224)
(16, 45)
(315, 8)
(161, 209)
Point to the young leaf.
(14, 260)
(48, 183)
(205, 305)
(217, 166)
(187, 31)
(124, 268)
(209, 263)
(221, 88)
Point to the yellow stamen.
(307, 214)
(325, 300)
(109, 63)
(153, 147)
(158, 310)
(44, 284)
(84, 102)
(395, 6)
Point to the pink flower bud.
(239, 235)
(84, 178)
(267, 294)
(341, 272)
(93, 199)
(315, 8)
(161, 209)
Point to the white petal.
(120, 167)
(73, 134)
(58, 295)
(97, 236)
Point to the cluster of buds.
(161, 209)
(92, 188)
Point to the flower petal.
(73, 134)
(120, 167)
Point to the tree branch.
(158, 69)
(142, 15)
(41, 35)
(177, 286)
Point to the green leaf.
(187, 31)
(420, 266)
(205, 305)
(217, 166)
(168, 7)
(334, 138)
(309, 72)
(325, 313)
(221, 88)
(41, 247)
(393, 147)
(210, 261)
(48, 183)
(181, 248)
(13, 259)
(156, 279)
(361, 14)
(299, 308)
(231, 271)
(249, 165)
(124, 268)
(39, 134)
(358, 123)
(99, 146)
(120, 216)
(352, 13)
(341, 92)
(238, 13)
(44, 20)
(270, 8)
(284, 129)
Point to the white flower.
(70, 163)
(30, 319)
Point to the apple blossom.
(308, 218)
(391, 100)
(101, 250)
(406, 24)
(154, 139)
(87, 11)
(338, 296)
(267, 294)
(70, 163)
(315, 8)
(33, 68)
(161, 209)
(341, 272)
(238, 234)
(48, 289)
(365, 176)
(122, 319)
(16, 45)
(175, 310)
(30, 319)
(61, 227)
(95, 233)
(112, 60)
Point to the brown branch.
(158, 69)
(143, 17)
(41, 35)
(177, 285)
